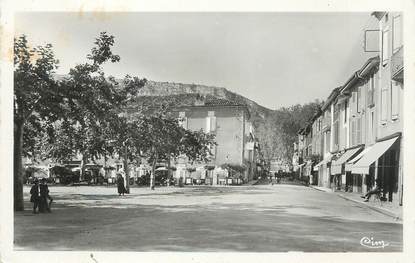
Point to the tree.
(37, 101)
(278, 134)
(64, 117)
(158, 136)
(93, 106)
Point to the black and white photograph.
(208, 131)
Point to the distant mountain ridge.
(187, 94)
(172, 89)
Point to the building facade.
(234, 135)
(359, 132)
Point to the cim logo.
(372, 243)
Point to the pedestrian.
(375, 190)
(44, 204)
(120, 184)
(35, 195)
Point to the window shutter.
(345, 111)
(371, 92)
(353, 132)
(397, 33)
(213, 123)
(385, 47)
(353, 104)
(358, 131)
(384, 106)
(394, 100)
(208, 124)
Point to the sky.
(275, 59)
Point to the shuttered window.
(385, 47)
(353, 132)
(353, 104)
(358, 99)
(211, 122)
(372, 125)
(371, 92)
(384, 106)
(358, 124)
(397, 33)
(345, 111)
(394, 100)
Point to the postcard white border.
(6, 121)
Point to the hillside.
(187, 94)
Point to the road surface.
(264, 218)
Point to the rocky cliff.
(187, 93)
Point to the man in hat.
(35, 195)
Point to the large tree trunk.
(126, 170)
(153, 172)
(18, 166)
(169, 175)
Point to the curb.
(362, 204)
(375, 208)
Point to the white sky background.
(275, 59)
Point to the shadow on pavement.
(214, 227)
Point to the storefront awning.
(349, 164)
(324, 161)
(376, 151)
(336, 166)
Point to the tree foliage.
(93, 103)
(159, 136)
(278, 135)
(37, 103)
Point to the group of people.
(39, 196)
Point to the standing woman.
(120, 184)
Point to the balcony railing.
(397, 65)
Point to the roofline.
(316, 115)
(370, 64)
(362, 73)
(350, 82)
(333, 95)
(213, 105)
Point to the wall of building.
(389, 100)
(229, 129)
(391, 92)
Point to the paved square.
(275, 218)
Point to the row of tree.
(84, 114)
(278, 134)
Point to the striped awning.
(324, 161)
(349, 164)
(336, 166)
(377, 150)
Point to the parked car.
(65, 175)
(161, 179)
